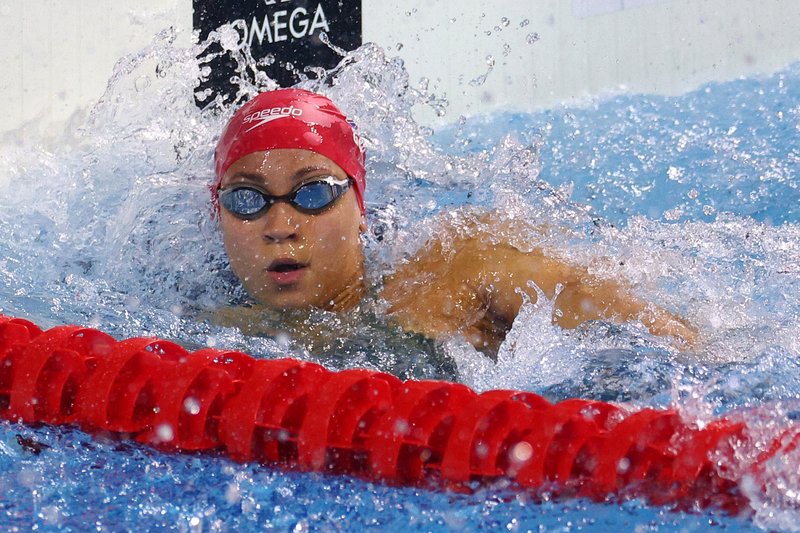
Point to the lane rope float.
(370, 424)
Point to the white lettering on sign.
(302, 23)
(319, 22)
(277, 26)
(273, 26)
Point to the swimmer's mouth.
(283, 266)
(286, 273)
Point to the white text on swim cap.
(268, 115)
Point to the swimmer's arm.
(504, 272)
(475, 289)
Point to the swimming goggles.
(249, 202)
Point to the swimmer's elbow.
(574, 305)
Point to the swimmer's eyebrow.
(298, 175)
(311, 169)
(247, 176)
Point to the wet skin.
(468, 283)
(460, 283)
(287, 259)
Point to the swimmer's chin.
(290, 298)
(288, 304)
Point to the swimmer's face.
(287, 259)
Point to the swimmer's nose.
(281, 223)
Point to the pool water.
(693, 199)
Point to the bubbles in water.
(480, 80)
(122, 238)
(323, 37)
(142, 83)
(266, 61)
(165, 433)
(191, 406)
(675, 173)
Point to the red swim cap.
(292, 118)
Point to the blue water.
(693, 199)
(725, 148)
(82, 485)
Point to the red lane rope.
(366, 423)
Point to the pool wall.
(56, 56)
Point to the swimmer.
(289, 191)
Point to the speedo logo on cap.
(268, 115)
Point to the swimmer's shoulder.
(466, 239)
(444, 286)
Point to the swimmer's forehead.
(280, 166)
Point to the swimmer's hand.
(664, 324)
(584, 298)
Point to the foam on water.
(692, 199)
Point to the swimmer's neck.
(349, 297)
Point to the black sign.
(286, 34)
